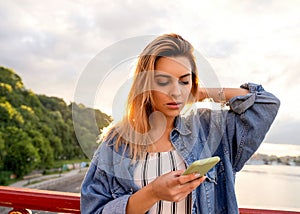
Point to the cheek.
(158, 99)
(186, 91)
(158, 96)
(160, 89)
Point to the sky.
(51, 43)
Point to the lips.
(174, 105)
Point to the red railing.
(21, 200)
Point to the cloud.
(50, 43)
(54, 41)
(291, 75)
(122, 19)
(220, 48)
(284, 132)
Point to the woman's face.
(172, 85)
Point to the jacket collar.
(181, 126)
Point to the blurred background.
(45, 46)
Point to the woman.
(139, 164)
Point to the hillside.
(36, 130)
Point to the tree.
(2, 151)
(5, 89)
(9, 115)
(43, 147)
(36, 130)
(10, 77)
(21, 156)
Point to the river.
(269, 187)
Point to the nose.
(175, 90)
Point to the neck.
(170, 123)
(161, 127)
(158, 121)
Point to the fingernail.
(197, 175)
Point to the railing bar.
(70, 202)
(40, 199)
(264, 211)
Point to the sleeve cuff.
(117, 206)
(252, 87)
(240, 104)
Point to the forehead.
(174, 66)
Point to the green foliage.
(10, 115)
(21, 155)
(5, 177)
(88, 123)
(2, 151)
(36, 130)
(5, 89)
(45, 150)
(8, 76)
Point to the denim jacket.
(233, 135)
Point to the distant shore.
(279, 150)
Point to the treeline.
(36, 130)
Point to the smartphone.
(202, 166)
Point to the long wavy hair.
(133, 129)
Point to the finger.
(190, 186)
(188, 178)
(198, 181)
(178, 172)
(202, 179)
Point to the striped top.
(154, 165)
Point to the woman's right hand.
(174, 186)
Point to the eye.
(162, 81)
(184, 82)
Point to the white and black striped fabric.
(154, 165)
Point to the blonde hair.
(132, 130)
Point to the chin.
(173, 114)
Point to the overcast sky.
(50, 43)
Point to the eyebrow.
(169, 76)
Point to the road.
(66, 182)
(72, 185)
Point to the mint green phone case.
(202, 166)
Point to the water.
(269, 187)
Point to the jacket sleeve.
(248, 122)
(97, 193)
